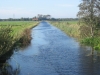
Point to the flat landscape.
(50, 37)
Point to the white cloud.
(17, 11)
(65, 5)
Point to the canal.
(52, 52)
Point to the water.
(52, 52)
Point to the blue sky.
(30, 8)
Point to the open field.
(13, 31)
(18, 26)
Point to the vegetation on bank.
(89, 17)
(69, 27)
(81, 32)
(89, 24)
(15, 33)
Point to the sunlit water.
(52, 52)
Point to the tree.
(89, 14)
(48, 16)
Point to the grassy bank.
(12, 32)
(80, 32)
(71, 28)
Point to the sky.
(30, 8)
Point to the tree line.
(17, 19)
(39, 17)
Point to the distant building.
(40, 17)
(35, 19)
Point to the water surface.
(52, 52)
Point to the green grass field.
(18, 26)
(13, 31)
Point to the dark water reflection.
(53, 53)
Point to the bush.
(93, 42)
(6, 40)
(26, 38)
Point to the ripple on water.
(52, 52)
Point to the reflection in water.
(5, 67)
(89, 64)
(8, 70)
(53, 53)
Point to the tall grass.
(12, 32)
(71, 28)
(6, 39)
(81, 32)
(25, 38)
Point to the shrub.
(6, 39)
(93, 42)
(26, 38)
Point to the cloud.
(65, 5)
(11, 10)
